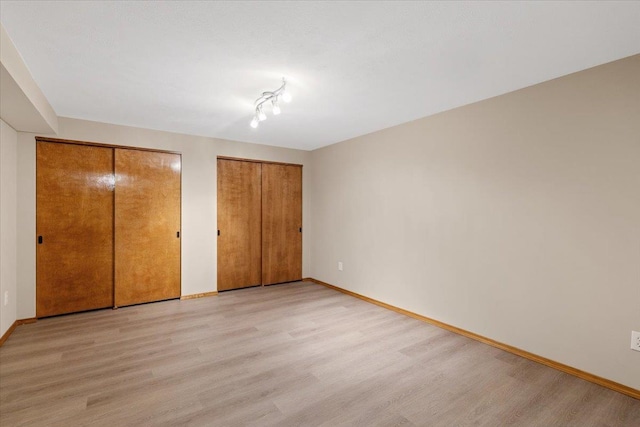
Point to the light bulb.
(286, 96)
(254, 122)
(261, 115)
(276, 107)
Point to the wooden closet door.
(147, 226)
(74, 225)
(239, 240)
(281, 223)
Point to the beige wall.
(198, 196)
(8, 188)
(23, 105)
(517, 218)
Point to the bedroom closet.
(107, 226)
(259, 223)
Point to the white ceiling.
(353, 67)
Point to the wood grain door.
(74, 226)
(239, 228)
(281, 223)
(147, 226)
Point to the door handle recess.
(39, 240)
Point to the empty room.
(318, 213)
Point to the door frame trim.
(101, 144)
(239, 159)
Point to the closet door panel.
(239, 241)
(74, 225)
(147, 223)
(281, 223)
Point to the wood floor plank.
(293, 354)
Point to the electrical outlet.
(6, 297)
(635, 340)
(339, 265)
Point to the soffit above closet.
(352, 67)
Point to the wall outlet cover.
(635, 340)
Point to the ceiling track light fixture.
(274, 97)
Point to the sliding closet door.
(239, 230)
(281, 223)
(147, 226)
(74, 225)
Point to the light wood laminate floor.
(287, 355)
